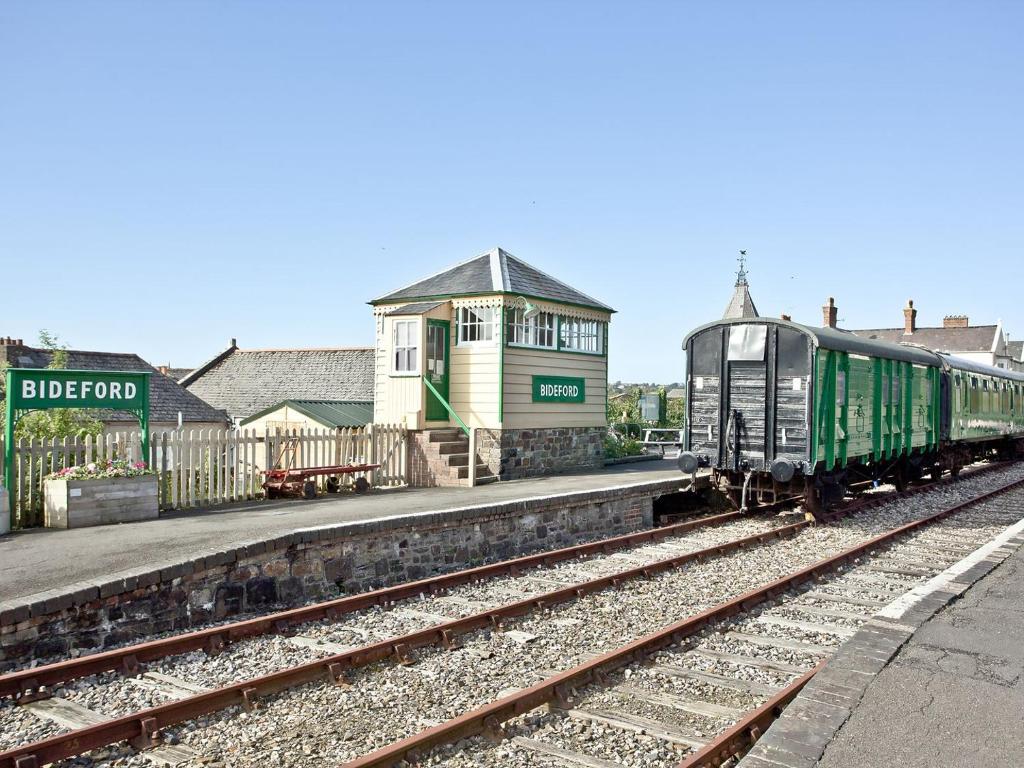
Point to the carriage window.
(895, 389)
(793, 357)
(706, 349)
(841, 388)
(747, 342)
(885, 389)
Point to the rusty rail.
(145, 724)
(738, 739)
(142, 727)
(489, 717)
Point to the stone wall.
(308, 565)
(532, 452)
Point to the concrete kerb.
(799, 738)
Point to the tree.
(59, 422)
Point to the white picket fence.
(207, 467)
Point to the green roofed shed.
(329, 414)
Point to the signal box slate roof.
(244, 382)
(330, 413)
(166, 396)
(496, 271)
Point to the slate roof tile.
(974, 338)
(244, 382)
(496, 271)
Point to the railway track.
(491, 650)
(698, 693)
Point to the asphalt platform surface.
(953, 696)
(42, 559)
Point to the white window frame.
(573, 340)
(413, 324)
(485, 326)
(531, 331)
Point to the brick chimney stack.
(909, 318)
(830, 313)
(164, 369)
(955, 321)
(7, 341)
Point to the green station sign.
(58, 388)
(40, 389)
(559, 389)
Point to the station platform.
(934, 679)
(46, 560)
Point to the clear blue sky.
(175, 174)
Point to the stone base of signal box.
(102, 501)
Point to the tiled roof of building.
(1015, 349)
(176, 373)
(676, 394)
(740, 305)
(975, 338)
(496, 271)
(330, 413)
(244, 382)
(166, 396)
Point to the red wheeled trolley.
(299, 482)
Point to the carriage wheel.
(309, 489)
(899, 478)
(812, 500)
(361, 485)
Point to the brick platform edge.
(799, 738)
(310, 564)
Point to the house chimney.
(829, 313)
(909, 318)
(955, 321)
(164, 369)
(234, 343)
(787, 317)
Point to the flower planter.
(99, 501)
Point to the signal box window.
(536, 331)
(406, 346)
(476, 324)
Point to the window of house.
(582, 335)
(406, 347)
(476, 324)
(538, 331)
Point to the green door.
(437, 368)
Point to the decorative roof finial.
(741, 276)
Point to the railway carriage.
(780, 409)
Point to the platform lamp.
(530, 310)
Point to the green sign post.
(559, 389)
(40, 389)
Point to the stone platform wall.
(307, 565)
